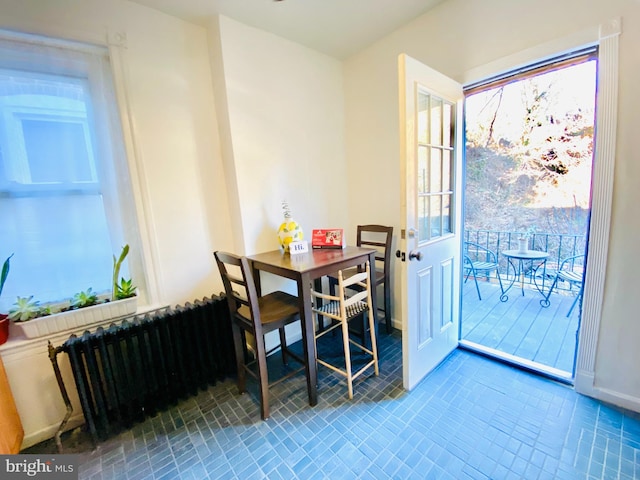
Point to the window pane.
(446, 170)
(436, 214)
(436, 121)
(69, 163)
(423, 218)
(436, 170)
(423, 169)
(423, 118)
(446, 214)
(447, 125)
(72, 230)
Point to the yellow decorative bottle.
(289, 230)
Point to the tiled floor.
(471, 418)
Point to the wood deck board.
(521, 326)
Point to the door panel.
(425, 321)
(430, 105)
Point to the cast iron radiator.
(133, 369)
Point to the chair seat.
(483, 266)
(568, 276)
(333, 308)
(276, 308)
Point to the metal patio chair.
(479, 261)
(571, 270)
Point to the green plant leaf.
(116, 271)
(5, 272)
(125, 289)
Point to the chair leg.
(545, 301)
(387, 306)
(347, 357)
(374, 345)
(363, 326)
(283, 346)
(575, 301)
(321, 320)
(263, 377)
(499, 281)
(239, 346)
(475, 280)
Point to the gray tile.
(471, 418)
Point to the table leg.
(516, 273)
(308, 337)
(521, 274)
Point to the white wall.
(284, 137)
(281, 113)
(458, 38)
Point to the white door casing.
(430, 159)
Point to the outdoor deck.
(520, 326)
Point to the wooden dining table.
(305, 268)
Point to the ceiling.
(338, 28)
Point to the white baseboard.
(50, 431)
(584, 384)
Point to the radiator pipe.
(53, 356)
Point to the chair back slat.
(239, 287)
(378, 237)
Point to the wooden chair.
(478, 260)
(378, 237)
(340, 309)
(257, 316)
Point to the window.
(435, 150)
(65, 198)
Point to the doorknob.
(417, 255)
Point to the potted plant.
(4, 321)
(124, 289)
(84, 299)
(26, 308)
(85, 308)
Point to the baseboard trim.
(585, 385)
(50, 431)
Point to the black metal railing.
(559, 247)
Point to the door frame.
(606, 36)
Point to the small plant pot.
(523, 245)
(78, 319)
(4, 328)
